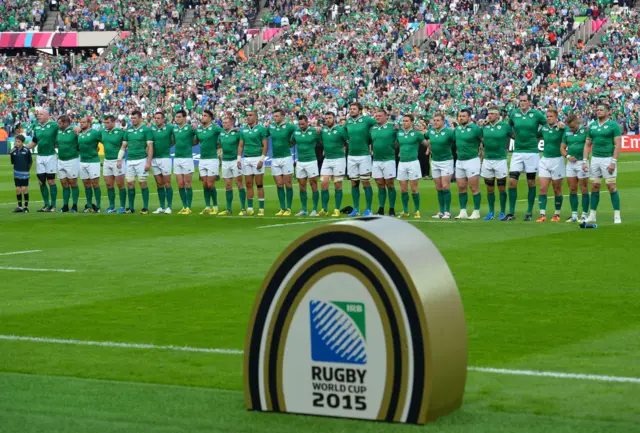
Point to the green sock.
(441, 200)
(595, 200)
(75, 195)
(123, 197)
(382, 197)
(261, 203)
(325, 200)
(162, 196)
(355, 193)
(315, 198)
(303, 199)
(145, 198)
(97, 193)
(111, 193)
(615, 200)
(477, 200)
(392, 197)
(558, 202)
(54, 194)
(368, 196)
(573, 201)
(503, 201)
(339, 198)
(531, 199)
(169, 194)
(290, 197)
(416, 201)
(250, 203)
(243, 197)
(66, 195)
(542, 200)
(513, 198)
(446, 193)
(281, 198)
(229, 196)
(405, 201)
(189, 192)
(491, 198)
(183, 197)
(207, 196)
(463, 198)
(88, 192)
(44, 190)
(585, 203)
(132, 198)
(213, 192)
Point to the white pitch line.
(20, 252)
(556, 375)
(10, 268)
(292, 224)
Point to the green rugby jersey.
(526, 127)
(468, 140)
(383, 139)
(575, 141)
(441, 143)
(208, 139)
(281, 139)
(229, 142)
(112, 142)
(162, 140)
(306, 144)
(184, 136)
(496, 140)
(88, 142)
(67, 144)
(359, 132)
(602, 136)
(552, 137)
(137, 139)
(252, 138)
(334, 141)
(409, 143)
(46, 135)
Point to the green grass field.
(542, 297)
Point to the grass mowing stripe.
(11, 268)
(557, 375)
(290, 224)
(12, 253)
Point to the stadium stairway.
(256, 23)
(188, 17)
(50, 23)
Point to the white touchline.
(11, 268)
(20, 252)
(557, 375)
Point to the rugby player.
(604, 140)
(552, 165)
(68, 163)
(468, 137)
(161, 162)
(305, 139)
(183, 167)
(44, 136)
(228, 144)
(496, 134)
(88, 141)
(409, 141)
(359, 157)
(138, 140)
(440, 141)
(383, 141)
(334, 141)
(253, 145)
(575, 136)
(112, 138)
(208, 134)
(282, 161)
(526, 158)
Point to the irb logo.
(338, 332)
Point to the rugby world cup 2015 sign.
(359, 319)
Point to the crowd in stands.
(22, 15)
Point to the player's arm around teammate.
(113, 172)
(305, 139)
(282, 161)
(440, 141)
(552, 170)
(383, 142)
(409, 141)
(496, 135)
(334, 142)
(468, 138)
(573, 142)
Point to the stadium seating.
(22, 15)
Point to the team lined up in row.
(370, 144)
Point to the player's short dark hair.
(526, 95)
(160, 113)
(303, 117)
(356, 104)
(110, 117)
(440, 115)
(571, 118)
(330, 113)
(64, 118)
(465, 110)
(184, 113)
(278, 110)
(20, 138)
(209, 113)
(136, 113)
(382, 110)
(409, 116)
(233, 119)
(552, 110)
